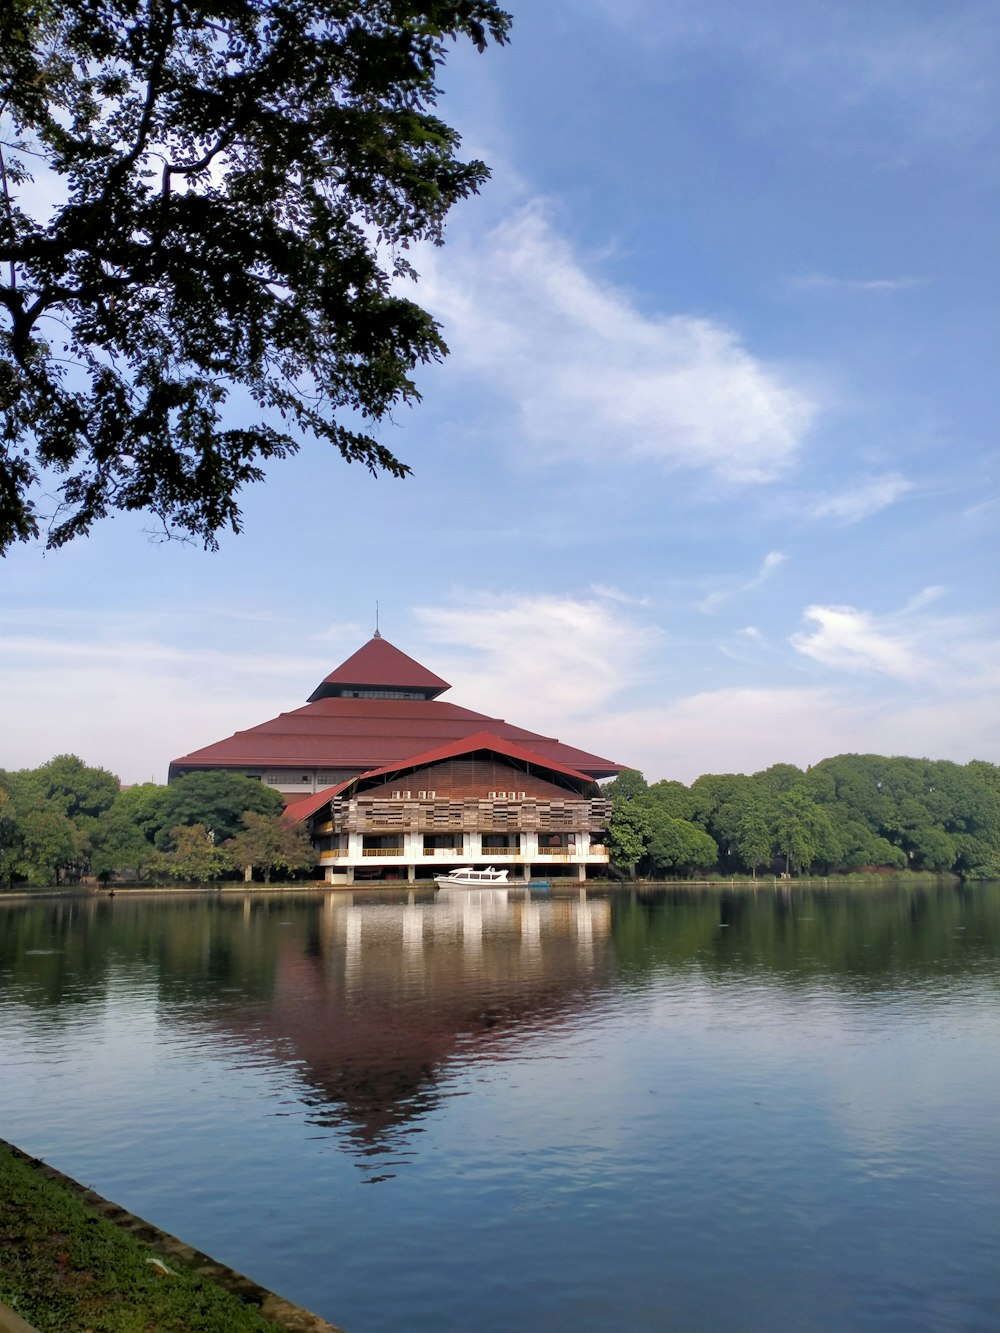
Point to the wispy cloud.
(735, 587)
(864, 499)
(588, 376)
(616, 595)
(826, 282)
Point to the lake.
(665, 1109)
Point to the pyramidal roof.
(379, 665)
(373, 711)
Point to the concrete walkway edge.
(13, 1323)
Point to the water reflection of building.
(386, 1000)
(392, 783)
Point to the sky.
(709, 480)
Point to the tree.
(216, 799)
(49, 842)
(679, 846)
(10, 837)
(801, 831)
(628, 785)
(236, 187)
(628, 833)
(122, 840)
(754, 844)
(270, 842)
(719, 802)
(75, 788)
(52, 812)
(670, 798)
(192, 854)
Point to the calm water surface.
(664, 1110)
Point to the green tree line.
(65, 819)
(851, 812)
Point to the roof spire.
(377, 634)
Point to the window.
(382, 694)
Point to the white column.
(354, 843)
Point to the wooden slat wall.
(443, 816)
(471, 776)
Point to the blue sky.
(710, 478)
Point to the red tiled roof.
(380, 665)
(299, 810)
(366, 734)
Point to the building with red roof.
(394, 783)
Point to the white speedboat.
(464, 877)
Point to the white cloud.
(738, 730)
(853, 640)
(588, 669)
(865, 499)
(948, 653)
(592, 378)
(539, 660)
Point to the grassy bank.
(64, 1266)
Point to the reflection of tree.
(370, 1003)
(61, 951)
(376, 1007)
(858, 940)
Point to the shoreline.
(568, 887)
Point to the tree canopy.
(64, 819)
(850, 812)
(226, 196)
